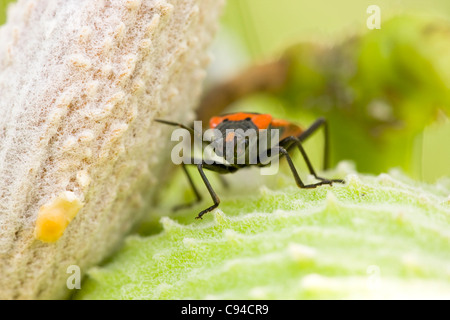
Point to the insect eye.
(248, 119)
(225, 120)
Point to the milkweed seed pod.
(81, 82)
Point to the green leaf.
(380, 236)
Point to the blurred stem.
(268, 77)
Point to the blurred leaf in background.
(379, 91)
(3, 6)
(378, 88)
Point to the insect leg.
(219, 168)
(289, 142)
(216, 167)
(211, 191)
(197, 194)
(321, 122)
(283, 152)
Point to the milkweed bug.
(290, 136)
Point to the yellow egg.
(54, 217)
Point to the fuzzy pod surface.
(81, 82)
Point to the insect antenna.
(198, 135)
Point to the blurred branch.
(268, 77)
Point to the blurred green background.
(400, 65)
(267, 26)
(395, 68)
(3, 6)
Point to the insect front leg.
(211, 191)
(219, 168)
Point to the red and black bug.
(229, 127)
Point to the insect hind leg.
(284, 153)
(290, 142)
(321, 122)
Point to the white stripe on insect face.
(230, 145)
(230, 136)
(237, 146)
